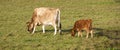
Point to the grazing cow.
(82, 25)
(45, 16)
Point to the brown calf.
(82, 25)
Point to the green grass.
(106, 23)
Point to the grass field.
(106, 24)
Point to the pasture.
(106, 25)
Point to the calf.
(82, 25)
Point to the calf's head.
(73, 33)
(30, 26)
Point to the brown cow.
(82, 25)
(45, 16)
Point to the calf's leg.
(91, 33)
(79, 33)
(87, 33)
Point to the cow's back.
(46, 15)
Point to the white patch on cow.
(47, 23)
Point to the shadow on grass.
(112, 34)
(117, 1)
(65, 31)
(40, 31)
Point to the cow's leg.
(55, 27)
(55, 30)
(34, 26)
(43, 27)
(91, 33)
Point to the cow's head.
(30, 26)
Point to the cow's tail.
(59, 23)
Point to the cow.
(85, 24)
(45, 16)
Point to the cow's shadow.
(112, 34)
(63, 31)
(46, 31)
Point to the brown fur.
(82, 25)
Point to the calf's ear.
(27, 22)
